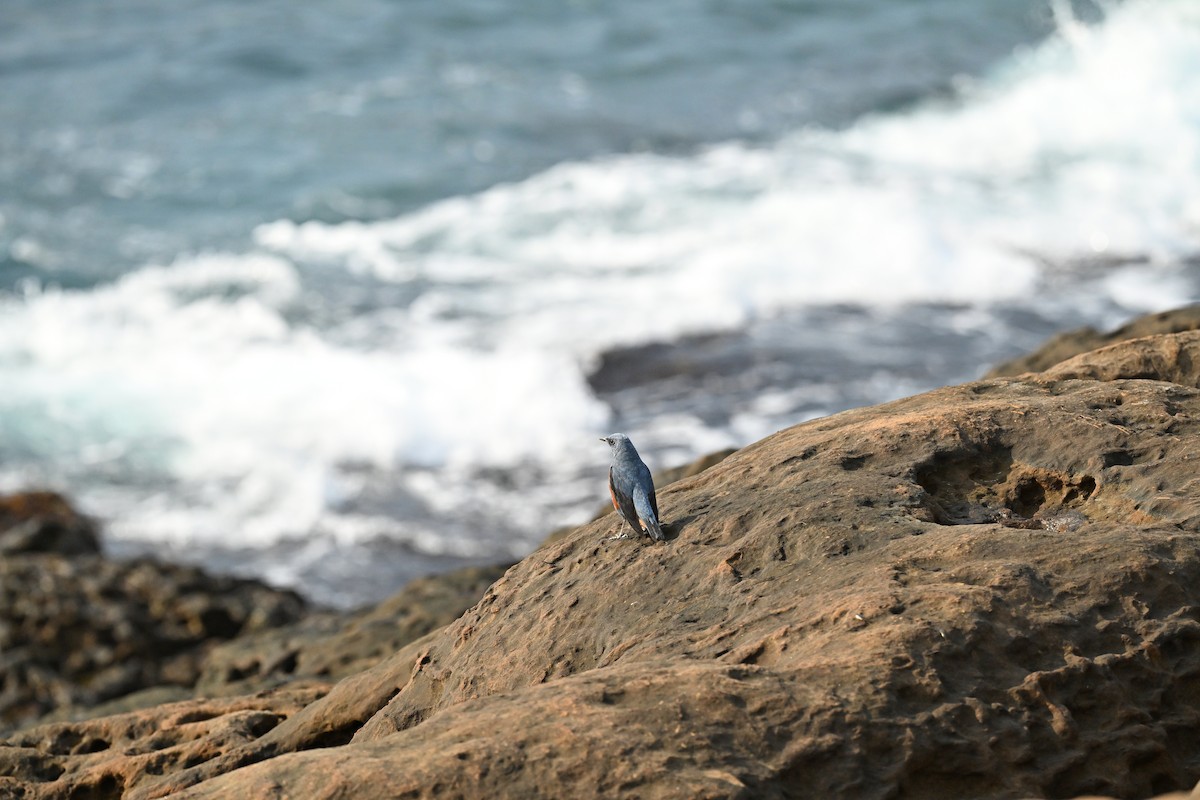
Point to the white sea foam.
(254, 415)
(212, 371)
(1089, 144)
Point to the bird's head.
(619, 444)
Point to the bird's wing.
(621, 501)
(648, 481)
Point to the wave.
(239, 397)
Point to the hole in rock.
(1117, 458)
(851, 463)
(981, 483)
(1029, 498)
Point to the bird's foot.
(618, 537)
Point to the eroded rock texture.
(79, 630)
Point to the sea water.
(319, 293)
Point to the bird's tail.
(654, 529)
(647, 516)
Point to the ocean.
(340, 294)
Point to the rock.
(43, 522)
(690, 357)
(79, 631)
(831, 574)
(1072, 343)
(990, 590)
(277, 670)
(103, 758)
(86, 636)
(1172, 358)
(331, 646)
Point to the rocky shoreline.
(988, 590)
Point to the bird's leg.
(630, 533)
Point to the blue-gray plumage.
(632, 488)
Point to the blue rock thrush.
(632, 489)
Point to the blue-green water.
(314, 292)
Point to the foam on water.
(195, 369)
(1088, 145)
(242, 398)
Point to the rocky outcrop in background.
(77, 629)
(1072, 343)
(988, 590)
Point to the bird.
(632, 489)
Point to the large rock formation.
(990, 590)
